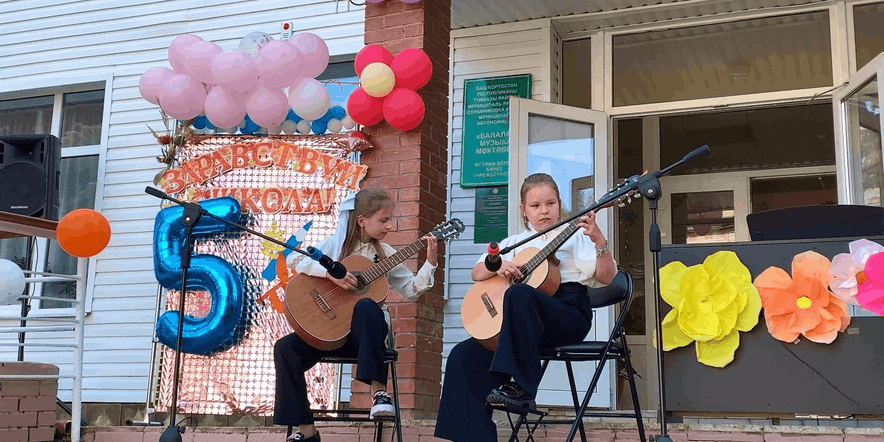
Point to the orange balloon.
(83, 233)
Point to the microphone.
(335, 269)
(492, 261)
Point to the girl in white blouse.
(474, 376)
(370, 221)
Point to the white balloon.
(261, 131)
(12, 281)
(309, 99)
(304, 127)
(334, 125)
(253, 42)
(289, 127)
(275, 130)
(348, 122)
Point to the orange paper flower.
(802, 304)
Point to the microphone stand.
(192, 214)
(649, 187)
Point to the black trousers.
(531, 321)
(293, 357)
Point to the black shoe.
(299, 437)
(511, 394)
(382, 406)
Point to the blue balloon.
(200, 122)
(228, 318)
(209, 124)
(338, 112)
(326, 117)
(250, 128)
(319, 126)
(292, 116)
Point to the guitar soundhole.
(361, 285)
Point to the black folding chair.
(619, 291)
(361, 414)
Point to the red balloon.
(83, 233)
(372, 54)
(365, 109)
(412, 68)
(404, 109)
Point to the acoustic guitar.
(482, 308)
(320, 311)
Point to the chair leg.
(288, 432)
(595, 380)
(633, 391)
(398, 418)
(578, 421)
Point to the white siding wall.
(487, 51)
(47, 41)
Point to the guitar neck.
(550, 248)
(381, 268)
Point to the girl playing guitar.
(370, 221)
(511, 374)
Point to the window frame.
(58, 87)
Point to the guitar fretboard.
(374, 272)
(550, 248)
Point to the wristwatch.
(599, 252)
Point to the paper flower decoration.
(848, 269)
(802, 304)
(870, 291)
(711, 303)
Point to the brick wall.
(413, 166)
(27, 406)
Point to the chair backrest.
(617, 291)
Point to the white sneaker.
(382, 407)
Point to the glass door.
(858, 121)
(571, 144)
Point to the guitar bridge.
(489, 306)
(320, 301)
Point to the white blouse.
(577, 254)
(408, 284)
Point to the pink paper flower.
(848, 269)
(870, 291)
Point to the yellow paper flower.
(711, 303)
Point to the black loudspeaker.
(29, 175)
(841, 221)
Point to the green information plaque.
(491, 214)
(485, 157)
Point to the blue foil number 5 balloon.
(227, 319)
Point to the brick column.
(27, 405)
(413, 166)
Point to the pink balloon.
(198, 60)
(267, 106)
(277, 63)
(176, 51)
(182, 97)
(151, 82)
(309, 99)
(235, 70)
(223, 108)
(410, 1)
(314, 53)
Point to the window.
(869, 32)
(745, 57)
(75, 115)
